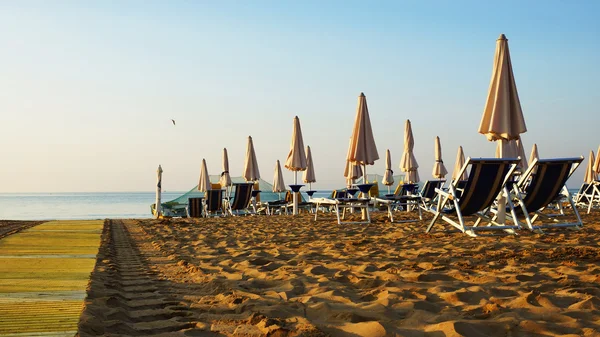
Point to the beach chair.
(547, 186)
(213, 203)
(588, 195)
(404, 198)
(341, 202)
(488, 178)
(194, 208)
(428, 193)
(281, 204)
(241, 199)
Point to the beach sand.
(292, 276)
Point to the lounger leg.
(337, 213)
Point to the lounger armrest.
(444, 193)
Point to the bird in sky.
(172, 120)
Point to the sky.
(88, 88)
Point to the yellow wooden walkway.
(44, 272)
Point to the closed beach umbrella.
(251, 172)
(521, 153)
(590, 175)
(296, 159)
(158, 192)
(352, 170)
(506, 149)
(363, 150)
(388, 175)
(597, 162)
(534, 154)
(439, 170)
(278, 184)
(225, 179)
(502, 117)
(408, 162)
(309, 175)
(460, 162)
(204, 184)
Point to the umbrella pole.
(364, 211)
(295, 209)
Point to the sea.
(84, 206)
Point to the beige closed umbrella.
(363, 150)
(296, 159)
(352, 170)
(597, 162)
(534, 154)
(502, 119)
(460, 162)
(408, 162)
(388, 175)
(439, 169)
(502, 116)
(225, 179)
(590, 175)
(521, 153)
(309, 176)
(157, 206)
(278, 184)
(204, 184)
(251, 172)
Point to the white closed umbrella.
(363, 150)
(534, 154)
(225, 179)
(408, 162)
(460, 162)
(388, 175)
(278, 184)
(590, 175)
(296, 159)
(309, 174)
(439, 169)
(597, 162)
(157, 207)
(352, 170)
(251, 172)
(204, 183)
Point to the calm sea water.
(63, 206)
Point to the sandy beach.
(291, 276)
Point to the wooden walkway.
(44, 272)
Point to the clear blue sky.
(88, 88)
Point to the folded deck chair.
(213, 203)
(342, 201)
(547, 186)
(241, 199)
(194, 208)
(487, 179)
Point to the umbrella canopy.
(278, 184)
(597, 162)
(251, 172)
(363, 150)
(408, 162)
(296, 159)
(388, 175)
(439, 170)
(460, 162)
(158, 191)
(309, 174)
(534, 154)
(204, 184)
(502, 116)
(521, 153)
(352, 170)
(590, 175)
(225, 179)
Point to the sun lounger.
(343, 200)
(536, 191)
(405, 198)
(194, 208)
(428, 193)
(213, 203)
(488, 178)
(241, 199)
(588, 195)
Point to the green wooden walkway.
(44, 272)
